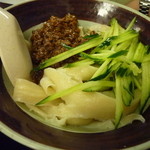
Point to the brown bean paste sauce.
(48, 41)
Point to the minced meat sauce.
(48, 41)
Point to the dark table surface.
(8, 144)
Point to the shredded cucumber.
(123, 64)
(139, 53)
(127, 89)
(131, 24)
(132, 48)
(79, 63)
(119, 102)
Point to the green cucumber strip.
(127, 35)
(121, 29)
(129, 65)
(134, 68)
(104, 86)
(83, 47)
(127, 90)
(79, 63)
(116, 29)
(96, 50)
(132, 48)
(114, 40)
(103, 44)
(139, 53)
(119, 53)
(102, 69)
(131, 24)
(127, 96)
(111, 31)
(145, 85)
(106, 34)
(66, 46)
(113, 48)
(119, 102)
(137, 82)
(102, 75)
(91, 36)
(107, 42)
(114, 66)
(115, 26)
(94, 57)
(122, 70)
(100, 56)
(123, 46)
(146, 58)
(105, 69)
(119, 39)
(78, 87)
(147, 105)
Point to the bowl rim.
(107, 1)
(38, 146)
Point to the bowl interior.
(35, 12)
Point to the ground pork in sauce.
(47, 41)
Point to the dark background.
(8, 144)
